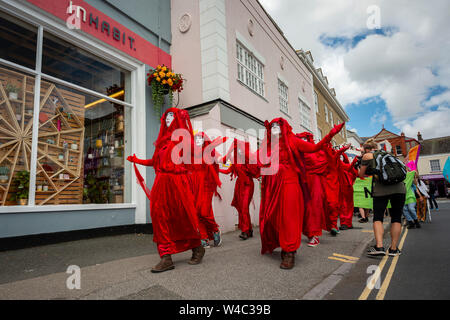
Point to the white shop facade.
(73, 105)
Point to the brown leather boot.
(288, 261)
(164, 265)
(197, 255)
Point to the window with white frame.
(316, 102)
(398, 149)
(305, 114)
(435, 165)
(331, 118)
(250, 70)
(326, 111)
(72, 150)
(283, 96)
(319, 134)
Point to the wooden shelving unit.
(61, 120)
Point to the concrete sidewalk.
(119, 268)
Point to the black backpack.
(389, 169)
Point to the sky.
(389, 61)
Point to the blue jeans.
(409, 211)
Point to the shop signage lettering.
(78, 15)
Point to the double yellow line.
(383, 289)
(343, 258)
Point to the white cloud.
(396, 67)
(431, 124)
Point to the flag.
(413, 157)
(446, 171)
(362, 191)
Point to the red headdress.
(295, 157)
(181, 121)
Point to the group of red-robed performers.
(305, 188)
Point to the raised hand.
(337, 128)
(132, 158)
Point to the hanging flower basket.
(164, 82)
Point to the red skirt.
(243, 194)
(281, 211)
(174, 219)
(315, 215)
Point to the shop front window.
(16, 125)
(18, 41)
(65, 61)
(83, 122)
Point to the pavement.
(421, 272)
(118, 267)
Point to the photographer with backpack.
(387, 185)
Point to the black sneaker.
(363, 220)
(417, 223)
(375, 251)
(334, 232)
(411, 225)
(343, 227)
(395, 252)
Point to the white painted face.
(199, 141)
(276, 128)
(169, 119)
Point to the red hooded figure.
(204, 181)
(245, 171)
(172, 209)
(282, 197)
(333, 188)
(348, 176)
(316, 215)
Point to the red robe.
(243, 192)
(282, 201)
(174, 218)
(333, 187)
(316, 214)
(244, 186)
(204, 180)
(204, 187)
(348, 177)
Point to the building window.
(398, 150)
(331, 118)
(326, 112)
(250, 70)
(305, 114)
(316, 102)
(319, 134)
(283, 96)
(435, 165)
(83, 122)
